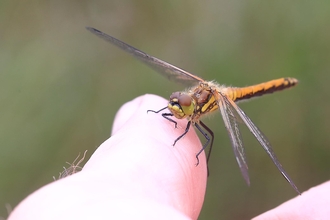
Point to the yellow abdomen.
(239, 94)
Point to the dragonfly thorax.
(181, 105)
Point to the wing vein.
(263, 142)
(169, 71)
(231, 125)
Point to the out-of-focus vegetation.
(60, 87)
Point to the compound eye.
(175, 96)
(180, 98)
(181, 105)
(184, 100)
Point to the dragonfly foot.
(197, 161)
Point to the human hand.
(135, 174)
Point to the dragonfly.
(205, 97)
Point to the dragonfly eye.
(181, 105)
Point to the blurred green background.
(60, 87)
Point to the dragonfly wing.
(170, 71)
(230, 120)
(263, 142)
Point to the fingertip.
(133, 108)
(145, 139)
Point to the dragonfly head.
(181, 105)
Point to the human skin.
(138, 174)
(135, 174)
(314, 204)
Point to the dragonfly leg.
(212, 139)
(157, 111)
(165, 115)
(184, 133)
(208, 139)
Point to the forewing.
(263, 142)
(230, 120)
(168, 70)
